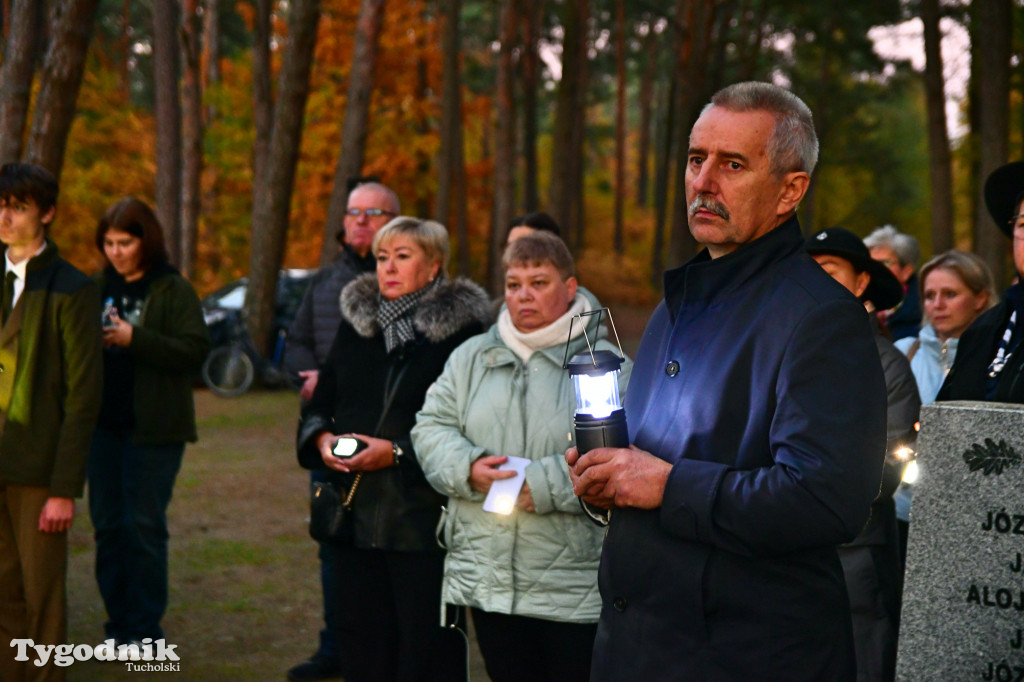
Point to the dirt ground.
(245, 596)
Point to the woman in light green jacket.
(530, 577)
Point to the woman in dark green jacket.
(154, 340)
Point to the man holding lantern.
(757, 416)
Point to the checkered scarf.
(395, 317)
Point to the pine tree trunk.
(692, 65)
(71, 23)
(16, 74)
(355, 128)
(939, 164)
(192, 134)
(262, 97)
(168, 124)
(646, 105)
(620, 124)
(450, 171)
(504, 148)
(124, 47)
(530, 29)
(271, 208)
(664, 134)
(566, 164)
(211, 48)
(995, 18)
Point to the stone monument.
(963, 598)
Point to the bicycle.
(230, 368)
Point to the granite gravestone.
(963, 599)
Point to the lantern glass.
(597, 396)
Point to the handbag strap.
(912, 351)
(352, 490)
(389, 397)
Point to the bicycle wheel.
(228, 371)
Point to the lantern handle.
(590, 347)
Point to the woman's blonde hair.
(429, 235)
(971, 269)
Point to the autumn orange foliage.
(111, 153)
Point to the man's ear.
(794, 187)
(48, 217)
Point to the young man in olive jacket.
(50, 390)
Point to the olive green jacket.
(51, 377)
(169, 345)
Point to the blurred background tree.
(475, 111)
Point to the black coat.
(906, 321)
(758, 379)
(393, 508)
(871, 563)
(977, 348)
(316, 321)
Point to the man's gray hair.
(793, 144)
(903, 245)
(389, 195)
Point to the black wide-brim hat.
(1004, 190)
(884, 290)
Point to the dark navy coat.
(759, 380)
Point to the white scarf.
(524, 344)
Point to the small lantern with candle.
(600, 420)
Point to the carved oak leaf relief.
(991, 458)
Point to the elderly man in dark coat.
(756, 411)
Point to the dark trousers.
(389, 618)
(326, 553)
(129, 490)
(517, 648)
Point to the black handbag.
(330, 513)
(330, 507)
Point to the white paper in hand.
(503, 494)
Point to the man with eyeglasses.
(989, 362)
(370, 206)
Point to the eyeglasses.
(368, 212)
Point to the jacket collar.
(494, 346)
(707, 279)
(42, 260)
(930, 341)
(446, 309)
(367, 263)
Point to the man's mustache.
(706, 202)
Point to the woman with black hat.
(871, 563)
(989, 362)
